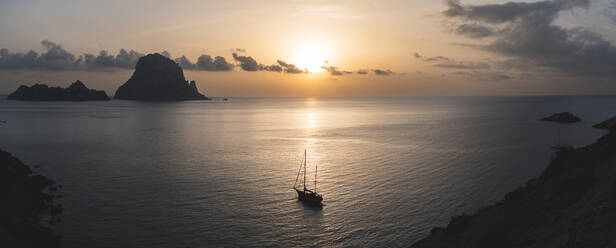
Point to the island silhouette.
(77, 91)
(158, 78)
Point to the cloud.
(482, 70)
(185, 63)
(451, 64)
(332, 70)
(383, 72)
(290, 68)
(57, 58)
(247, 63)
(205, 63)
(474, 30)
(429, 59)
(528, 35)
(240, 50)
(484, 76)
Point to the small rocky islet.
(76, 92)
(563, 117)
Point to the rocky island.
(158, 78)
(564, 117)
(75, 92)
(572, 204)
(28, 207)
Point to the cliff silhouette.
(27, 209)
(158, 78)
(77, 91)
(572, 204)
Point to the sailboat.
(304, 194)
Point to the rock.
(41, 92)
(158, 78)
(561, 208)
(607, 124)
(564, 117)
(27, 201)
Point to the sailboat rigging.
(306, 195)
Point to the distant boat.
(304, 194)
(226, 99)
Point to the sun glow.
(311, 56)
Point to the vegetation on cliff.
(28, 209)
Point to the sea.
(221, 173)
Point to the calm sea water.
(197, 174)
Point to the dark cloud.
(430, 59)
(205, 63)
(528, 35)
(185, 63)
(57, 58)
(474, 30)
(247, 63)
(451, 64)
(290, 68)
(332, 70)
(511, 11)
(483, 75)
(274, 68)
(382, 72)
(240, 50)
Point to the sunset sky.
(339, 48)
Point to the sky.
(318, 48)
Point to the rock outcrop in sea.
(564, 117)
(41, 92)
(572, 204)
(27, 207)
(158, 78)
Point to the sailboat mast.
(304, 170)
(315, 178)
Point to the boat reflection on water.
(304, 194)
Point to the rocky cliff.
(572, 204)
(27, 206)
(157, 78)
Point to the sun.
(311, 56)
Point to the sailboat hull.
(309, 197)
